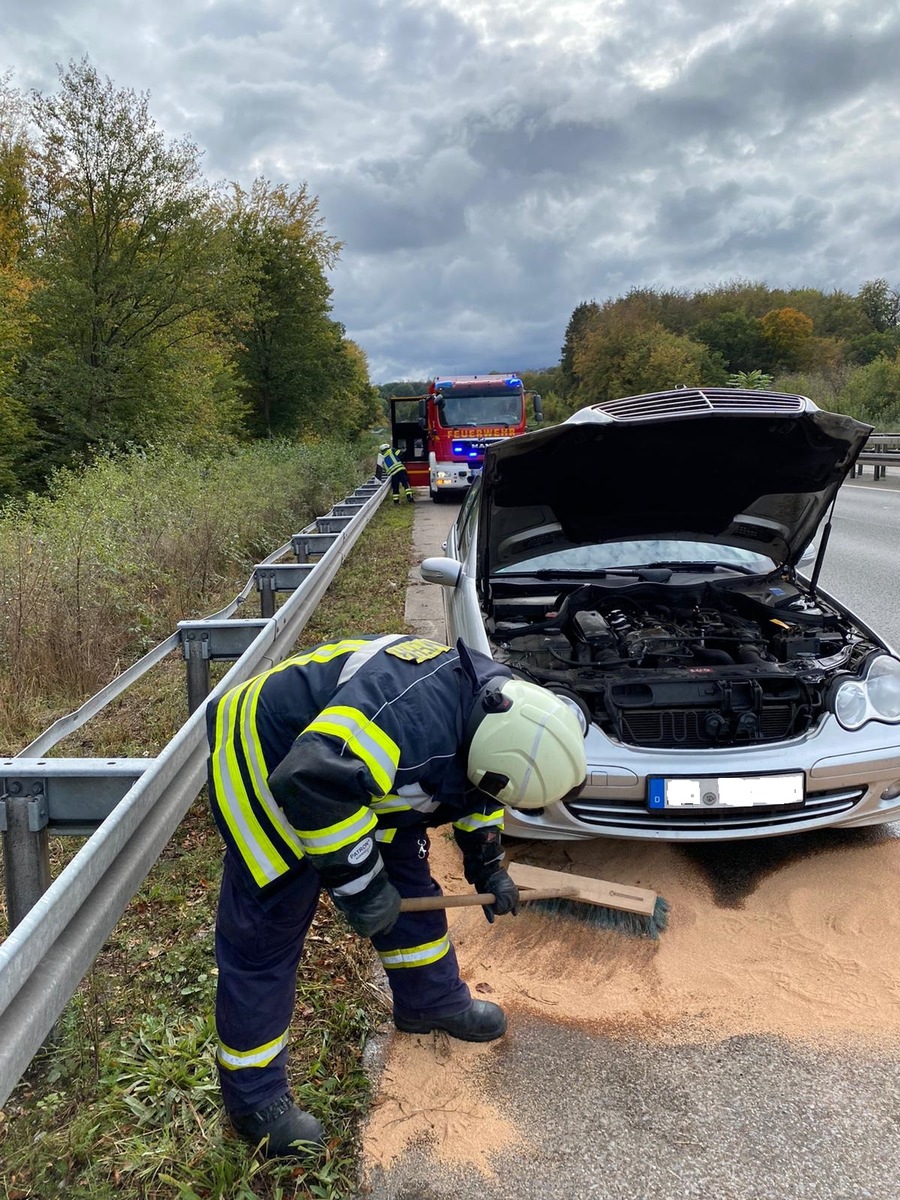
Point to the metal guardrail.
(134, 805)
(880, 451)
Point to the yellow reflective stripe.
(476, 821)
(324, 654)
(256, 763)
(334, 837)
(254, 844)
(415, 956)
(260, 1056)
(363, 738)
(385, 835)
(388, 804)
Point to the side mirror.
(445, 571)
(423, 414)
(538, 410)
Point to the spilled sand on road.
(810, 952)
(430, 1093)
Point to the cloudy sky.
(491, 163)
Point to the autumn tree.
(623, 356)
(788, 334)
(873, 393)
(355, 403)
(579, 321)
(136, 276)
(16, 286)
(737, 337)
(294, 362)
(880, 303)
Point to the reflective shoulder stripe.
(360, 657)
(363, 738)
(335, 837)
(415, 956)
(476, 821)
(385, 835)
(322, 654)
(259, 1056)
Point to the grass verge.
(126, 1103)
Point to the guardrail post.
(196, 655)
(26, 847)
(266, 583)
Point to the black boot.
(283, 1124)
(481, 1022)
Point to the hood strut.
(820, 556)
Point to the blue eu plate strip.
(656, 792)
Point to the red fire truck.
(443, 435)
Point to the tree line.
(840, 349)
(140, 303)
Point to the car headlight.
(443, 474)
(884, 688)
(875, 697)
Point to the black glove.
(374, 910)
(506, 894)
(482, 866)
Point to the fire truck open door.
(410, 436)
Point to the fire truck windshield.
(492, 409)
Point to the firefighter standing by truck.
(327, 772)
(388, 464)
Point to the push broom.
(622, 908)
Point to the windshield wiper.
(656, 573)
(741, 568)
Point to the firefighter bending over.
(327, 772)
(388, 465)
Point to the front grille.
(685, 728)
(622, 814)
(685, 401)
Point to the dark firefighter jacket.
(329, 752)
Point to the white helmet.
(525, 745)
(386, 446)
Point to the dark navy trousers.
(259, 940)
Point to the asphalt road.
(862, 560)
(753, 1117)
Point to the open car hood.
(755, 470)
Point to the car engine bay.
(682, 664)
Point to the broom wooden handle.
(429, 903)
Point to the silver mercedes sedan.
(652, 560)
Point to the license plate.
(726, 791)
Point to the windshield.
(640, 554)
(494, 409)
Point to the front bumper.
(846, 776)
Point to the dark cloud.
(491, 163)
